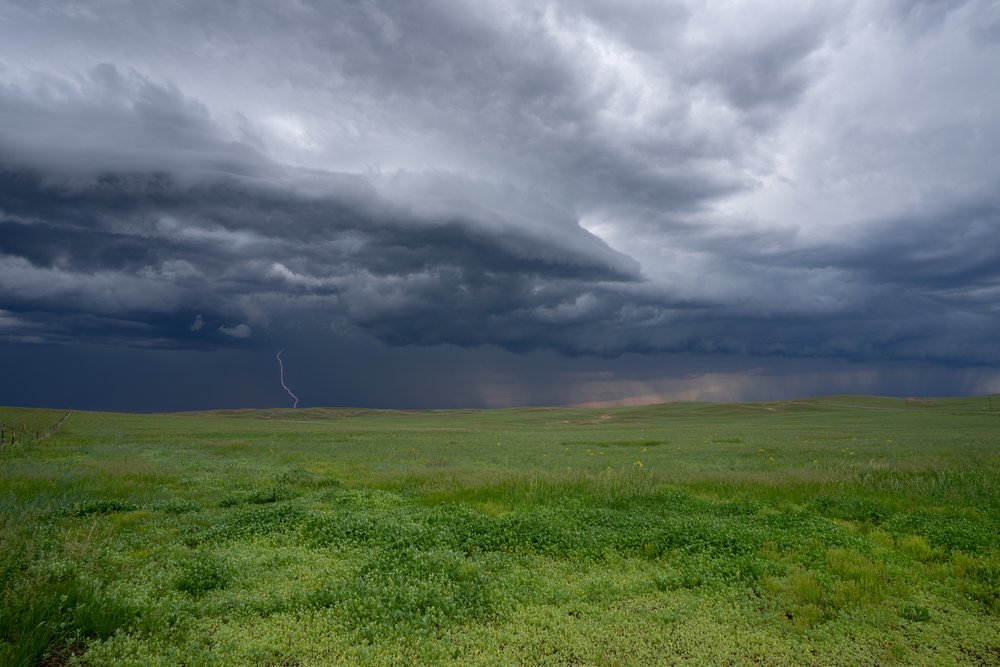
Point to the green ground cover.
(840, 530)
(19, 426)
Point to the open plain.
(836, 530)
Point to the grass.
(21, 426)
(838, 530)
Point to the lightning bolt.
(281, 376)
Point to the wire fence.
(17, 434)
(14, 434)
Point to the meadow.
(829, 531)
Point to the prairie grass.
(839, 530)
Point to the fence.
(13, 434)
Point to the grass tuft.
(201, 573)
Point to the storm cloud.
(783, 180)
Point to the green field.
(837, 530)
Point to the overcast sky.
(444, 203)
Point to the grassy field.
(839, 530)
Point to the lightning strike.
(281, 376)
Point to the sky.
(452, 203)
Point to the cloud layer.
(786, 179)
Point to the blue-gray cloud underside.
(134, 257)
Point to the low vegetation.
(839, 530)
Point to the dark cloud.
(788, 180)
(337, 371)
(126, 242)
